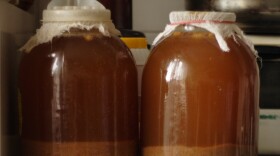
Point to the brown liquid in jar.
(79, 97)
(198, 100)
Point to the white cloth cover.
(222, 25)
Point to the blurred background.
(260, 20)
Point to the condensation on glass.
(198, 100)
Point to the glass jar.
(198, 100)
(79, 96)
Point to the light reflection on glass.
(189, 28)
(175, 102)
(54, 67)
(175, 71)
(57, 72)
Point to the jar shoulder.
(79, 53)
(85, 46)
(201, 47)
(200, 53)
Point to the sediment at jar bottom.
(38, 148)
(221, 150)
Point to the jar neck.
(192, 29)
(81, 32)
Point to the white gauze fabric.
(220, 24)
(50, 30)
(59, 20)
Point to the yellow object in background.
(135, 42)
